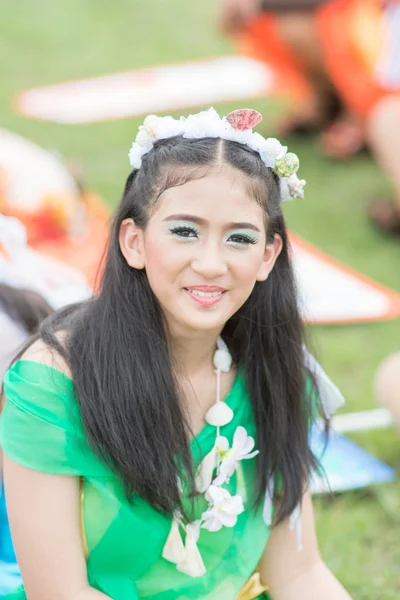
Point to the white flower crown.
(236, 127)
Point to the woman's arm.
(292, 574)
(44, 514)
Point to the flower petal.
(220, 479)
(207, 123)
(212, 521)
(228, 466)
(222, 443)
(234, 506)
(242, 443)
(256, 142)
(271, 151)
(174, 550)
(216, 495)
(251, 455)
(205, 471)
(239, 437)
(136, 152)
(228, 519)
(226, 470)
(295, 186)
(192, 564)
(168, 127)
(247, 447)
(143, 138)
(284, 189)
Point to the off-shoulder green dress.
(41, 428)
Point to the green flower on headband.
(287, 166)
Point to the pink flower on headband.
(244, 118)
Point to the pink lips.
(208, 294)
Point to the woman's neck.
(193, 353)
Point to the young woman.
(170, 414)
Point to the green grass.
(44, 42)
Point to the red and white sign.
(330, 292)
(145, 91)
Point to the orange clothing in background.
(360, 45)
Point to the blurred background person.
(21, 312)
(348, 52)
(387, 386)
(30, 286)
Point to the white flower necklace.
(215, 470)
(218, 466)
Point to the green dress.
(41, 428)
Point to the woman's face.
(203, 249)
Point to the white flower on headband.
(154, 128)
(161, 128)
(143, 138)
(271, 151)
(236, 127)
(235, 135)
(257, 142)
(207, 123)
(292, 187)
(136, 153)
(296, 187)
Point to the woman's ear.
(131, 244)
(271, 253)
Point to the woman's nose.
(209, 261)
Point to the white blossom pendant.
(219, 414)
(193, 564)
(174, 550)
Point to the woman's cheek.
(160, 253)
(247, 268)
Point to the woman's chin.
(201, 322)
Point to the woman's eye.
(240, 238)
(186, 232)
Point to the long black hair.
(116, 346)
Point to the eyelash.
(244, 239)
(181, 231)
(185, 232)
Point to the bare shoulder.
(41, 352)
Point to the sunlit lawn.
(44, 42)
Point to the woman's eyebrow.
(192, 218)
(243, 226)
(200, 221)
